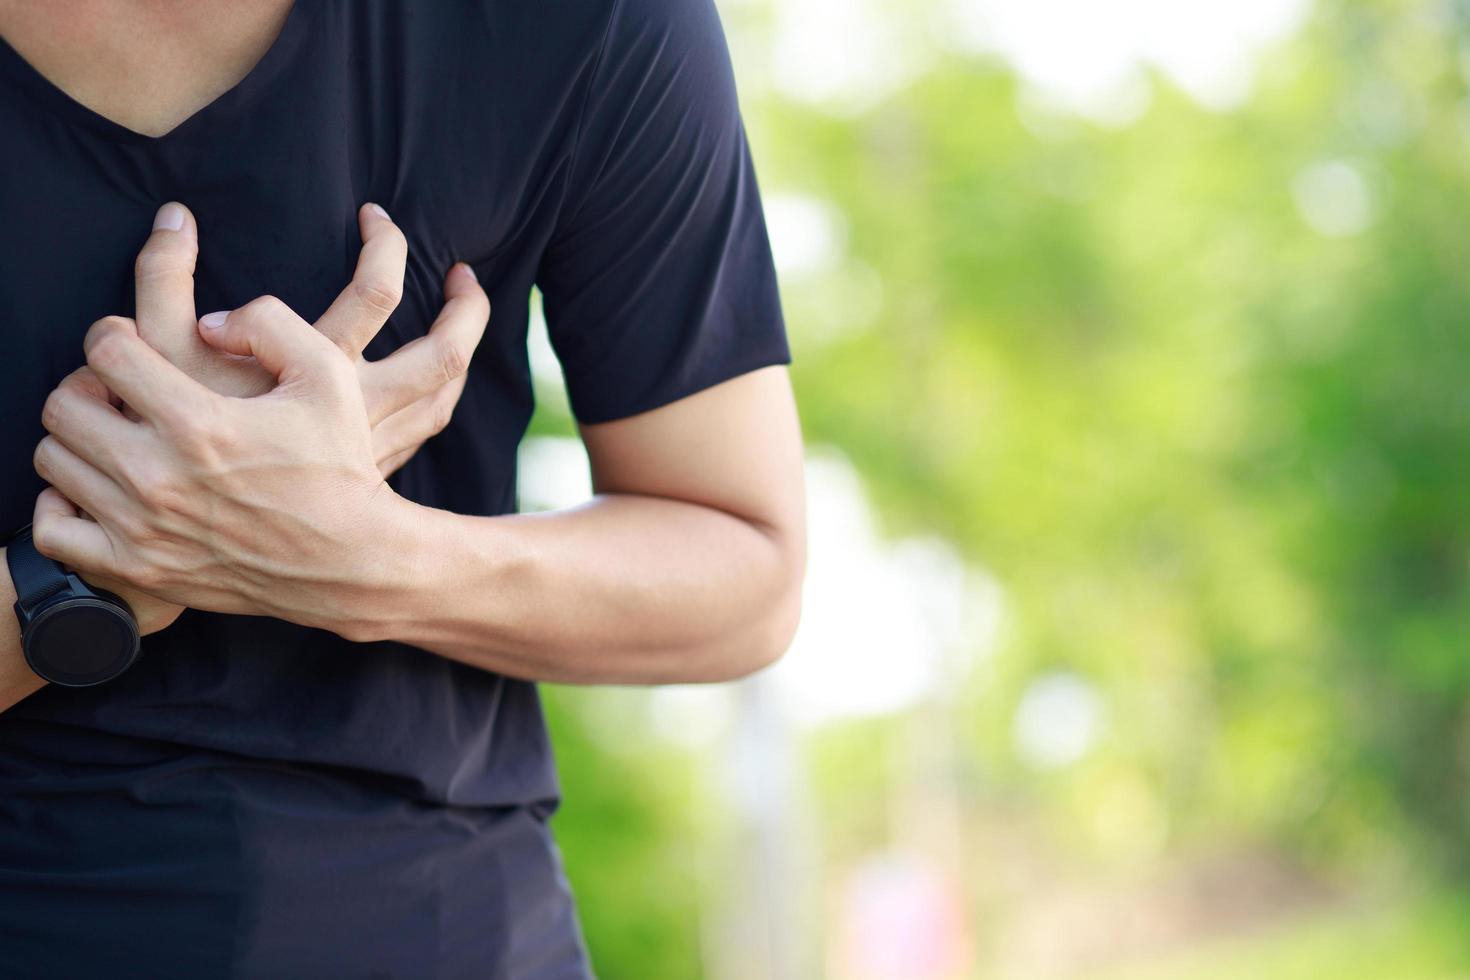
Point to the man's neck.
(145, 64)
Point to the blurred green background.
(1130, 345)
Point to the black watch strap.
(36, 578)
(71, 633)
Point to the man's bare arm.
(686, 566)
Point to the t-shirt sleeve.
(658, 280)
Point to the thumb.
(270, 331)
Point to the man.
(329, 758)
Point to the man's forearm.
(623, 589)
(17, 680)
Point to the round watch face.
(81, 641)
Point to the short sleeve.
(658, 280)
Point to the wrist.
(17, 679)
(404, 554)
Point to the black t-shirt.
(246, 772)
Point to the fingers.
(392, 464)
(138, 374)
(360, 310)
(266, 328)
(85, 380)
(399, 436)
(441, 356)
(163, 276)
(79, 481)
(81, 414)
(61, 534)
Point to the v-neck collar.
(232, 101)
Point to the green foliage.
(1204, 446)
(626, 836)
(1420, 941)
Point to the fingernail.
(378, 208)
(214, 320)
(170, 216)
(467, 269)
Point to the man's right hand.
(410, 394)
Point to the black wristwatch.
(72, 634)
